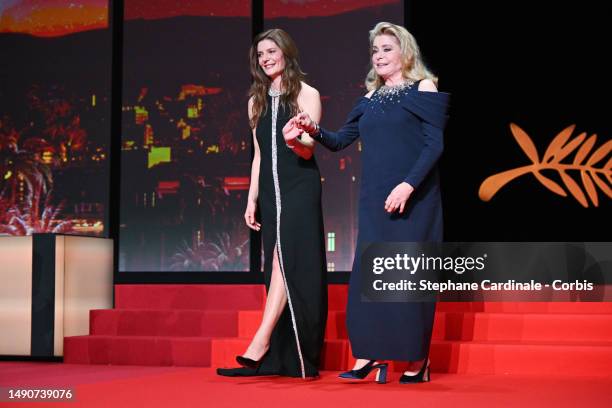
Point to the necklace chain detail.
(274, 92)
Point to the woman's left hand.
(398, 197)
(291, 132)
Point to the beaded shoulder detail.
(391, 93)
(387, 96)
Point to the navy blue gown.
(402, 139)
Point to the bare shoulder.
(308, 91)
(309, 98)
(369, 94)
(427, 85)
(250, 107)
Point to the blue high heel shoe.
(363, 372)
(421, 376)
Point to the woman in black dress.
(286, 186)
(400, 122)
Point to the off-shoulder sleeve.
(432, 109)
(348, 133)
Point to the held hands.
(304, 122)
(249, 216)
(291, 131)
(398, 197)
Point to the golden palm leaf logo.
(558, 150)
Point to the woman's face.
(386, 55)
(271, 58)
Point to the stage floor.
(138, 386)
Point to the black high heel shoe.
(250, 363)
(421, 376)
(363, 372)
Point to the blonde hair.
(413, 67)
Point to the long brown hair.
(291, 77)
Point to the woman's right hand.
(249, 216)
(305, 123)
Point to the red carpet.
(208, 325)
(175, 387)
(483, 355)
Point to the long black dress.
(401, 133)
(292, 225)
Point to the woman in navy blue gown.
(400, 122)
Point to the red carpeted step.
(224, 351)
(522, 327)
(138, 350)
(249, 320)
(463, 357)
(504, 358)
(336, 325)
(334, 355)
(337, 297)
(173, 296)
(252, 297)
(177, 323)
(171, 325)
(479, 326)
(210, 297)
(526, 307)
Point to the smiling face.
(386, 56)
(270, 58)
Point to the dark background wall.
(185, 147)
(541, 67)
